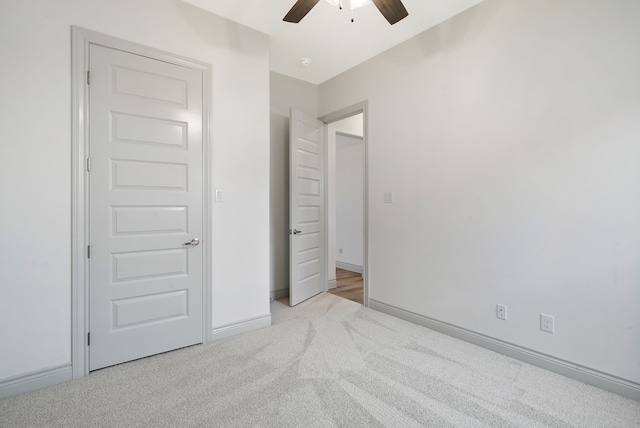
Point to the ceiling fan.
(392, 10)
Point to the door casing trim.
(81, 39)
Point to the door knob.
(295, 231)
(194, 242)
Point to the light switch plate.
(501, 312)
(219, 195)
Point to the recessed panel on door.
(308, 133)
(308, 160)
(128, 128)
(155, 87)
(150, 264)
(148, 175)
(137, 220)
(309, 242)
(138, 311)
(308, 215)
(308, 186)
(308, 270)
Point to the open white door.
(307, 269)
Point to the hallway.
(350, 286)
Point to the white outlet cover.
(547, 323)
(388, 198)
(219, 195)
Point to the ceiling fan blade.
(299, 10)
(393, 10)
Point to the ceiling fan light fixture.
(392, 10)
(355, 4)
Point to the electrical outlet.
(546, 323)
(501, 312)
(339, 250)
(388, 198)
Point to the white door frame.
(361, 107)
(80, 40)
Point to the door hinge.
(88, 164)
(88, 77)
(89, 339)
(88, 251)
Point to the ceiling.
(326, 35)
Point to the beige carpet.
(327, 363)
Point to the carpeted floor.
(328, 362)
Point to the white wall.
(286, 92)
(350, 201)
(35, 166)
(352, 125)
(510, 138)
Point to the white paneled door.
(307, 271)
(145, 210)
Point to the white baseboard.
(569, 369)
(32, 381)
(332, 283)
(277, 294)
(349, 267)
(241, 327)
(38, 379)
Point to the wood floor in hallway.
(349, 286)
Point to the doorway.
(347, 203)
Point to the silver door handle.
(194, 242)
(295, 231)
